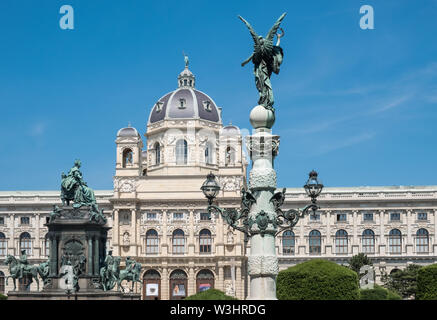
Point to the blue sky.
(359, 106)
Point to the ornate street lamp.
(210, 188)
(283, 220)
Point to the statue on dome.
(186, 59)
(266, 59)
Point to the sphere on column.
(261, 117)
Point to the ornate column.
(262, 261)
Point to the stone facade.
(158, 213)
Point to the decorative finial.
(186, 59)
(128, 124)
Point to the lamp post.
(262, 219)
(261, 214)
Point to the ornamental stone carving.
(126, 238)
(262, 178)
(231, 183)
(263, 265)
(125, 185)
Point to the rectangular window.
(205, 216)
(2, 220)
(152, 245)
(3, 246)
(341, 216)
(368, 217)
(422, 216)
(178, 215)
(24, 220)
(151, 215)
(395, 216)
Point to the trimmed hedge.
(3, 297)
(378, 293)
(427, 283)
(317, 279)
(210, 294)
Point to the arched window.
(178, 242)
(315, 242)
(368, 241)
(2, 282)
(422, 240)
(26, 243)
(152, 242)
(229, 156)
(395, 241)
(181, 151)
(127, 158)
(152, 285)
(3, 244)
(47, 245)
(205, 241)
(209, 158)
(157, 153)
(288, 242)
(341, 241)
(205, 280)
(178, 284)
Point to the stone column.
(11, 244)
(191, 282)
(220, 281)
(53, 256)
(262, 261)
(238, 284)
(164, 284)
(90, 256)
(115, 234)
(96, 256)
(134, 232)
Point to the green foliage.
(359, 260)
(210, 294)
(427, 283)
(317, 280)
(3, 297)
(403, 282)
(378, 293)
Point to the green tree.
(403, 282)
(317, 279)
(359, 260)
(427, 283)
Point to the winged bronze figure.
(266, 59)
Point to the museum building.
(158, 214)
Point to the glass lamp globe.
(313, 187)
(210, 187)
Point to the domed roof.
(230, 130)
(128, 132)
(185, 102)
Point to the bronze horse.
(14, 271)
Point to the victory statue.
(266, 59)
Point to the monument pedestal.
(77, 252)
